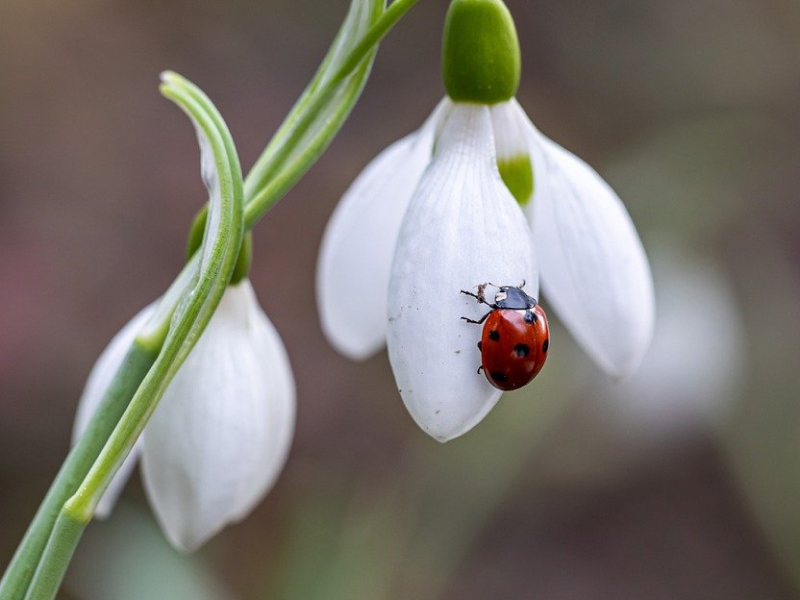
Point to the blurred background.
(683, 482)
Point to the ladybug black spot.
(530, 317)
(494, 335)
(522, 350)
(546, 345)
(499, 376)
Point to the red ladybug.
(515, 338)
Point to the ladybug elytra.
(515, 338)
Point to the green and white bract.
(594, 271)
(222, 432)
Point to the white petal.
(462, 228)
(221, 434)
(359, 241)
(511, 143)
(510, 139)
(594, 269)
(99, 379)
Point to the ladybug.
(515, 338)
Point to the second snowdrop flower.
(222, 432)
(478, 195)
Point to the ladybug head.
(513, 298)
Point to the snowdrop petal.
(594, 269)
(222, 431)
(359, 242)
(513, 154)
(99, 379)
(462, 228)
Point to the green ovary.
(517, 174)
(480, 52)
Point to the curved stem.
(261, 191)
(218, 253)
(285, 179)
(52, 545)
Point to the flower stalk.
(218, 256)
(326, 103)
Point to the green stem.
(123, 386)
(83, 487)
(277, 187)
(266, 162)
(268, 180)
(57, 554)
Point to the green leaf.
(324, 106)
(286, 144)
(205, 281)
(196, 305)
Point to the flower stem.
(117, 397)
(195, 308)
(50, 542)
(270, 179)
(66, 534)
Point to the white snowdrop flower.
(221, 433)
(445, 210)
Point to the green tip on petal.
(517, 174)
(480, 53)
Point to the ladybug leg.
(479, 370)
(479, 321)
(480, 297)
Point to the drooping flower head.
(222, 431)
(478, 195)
